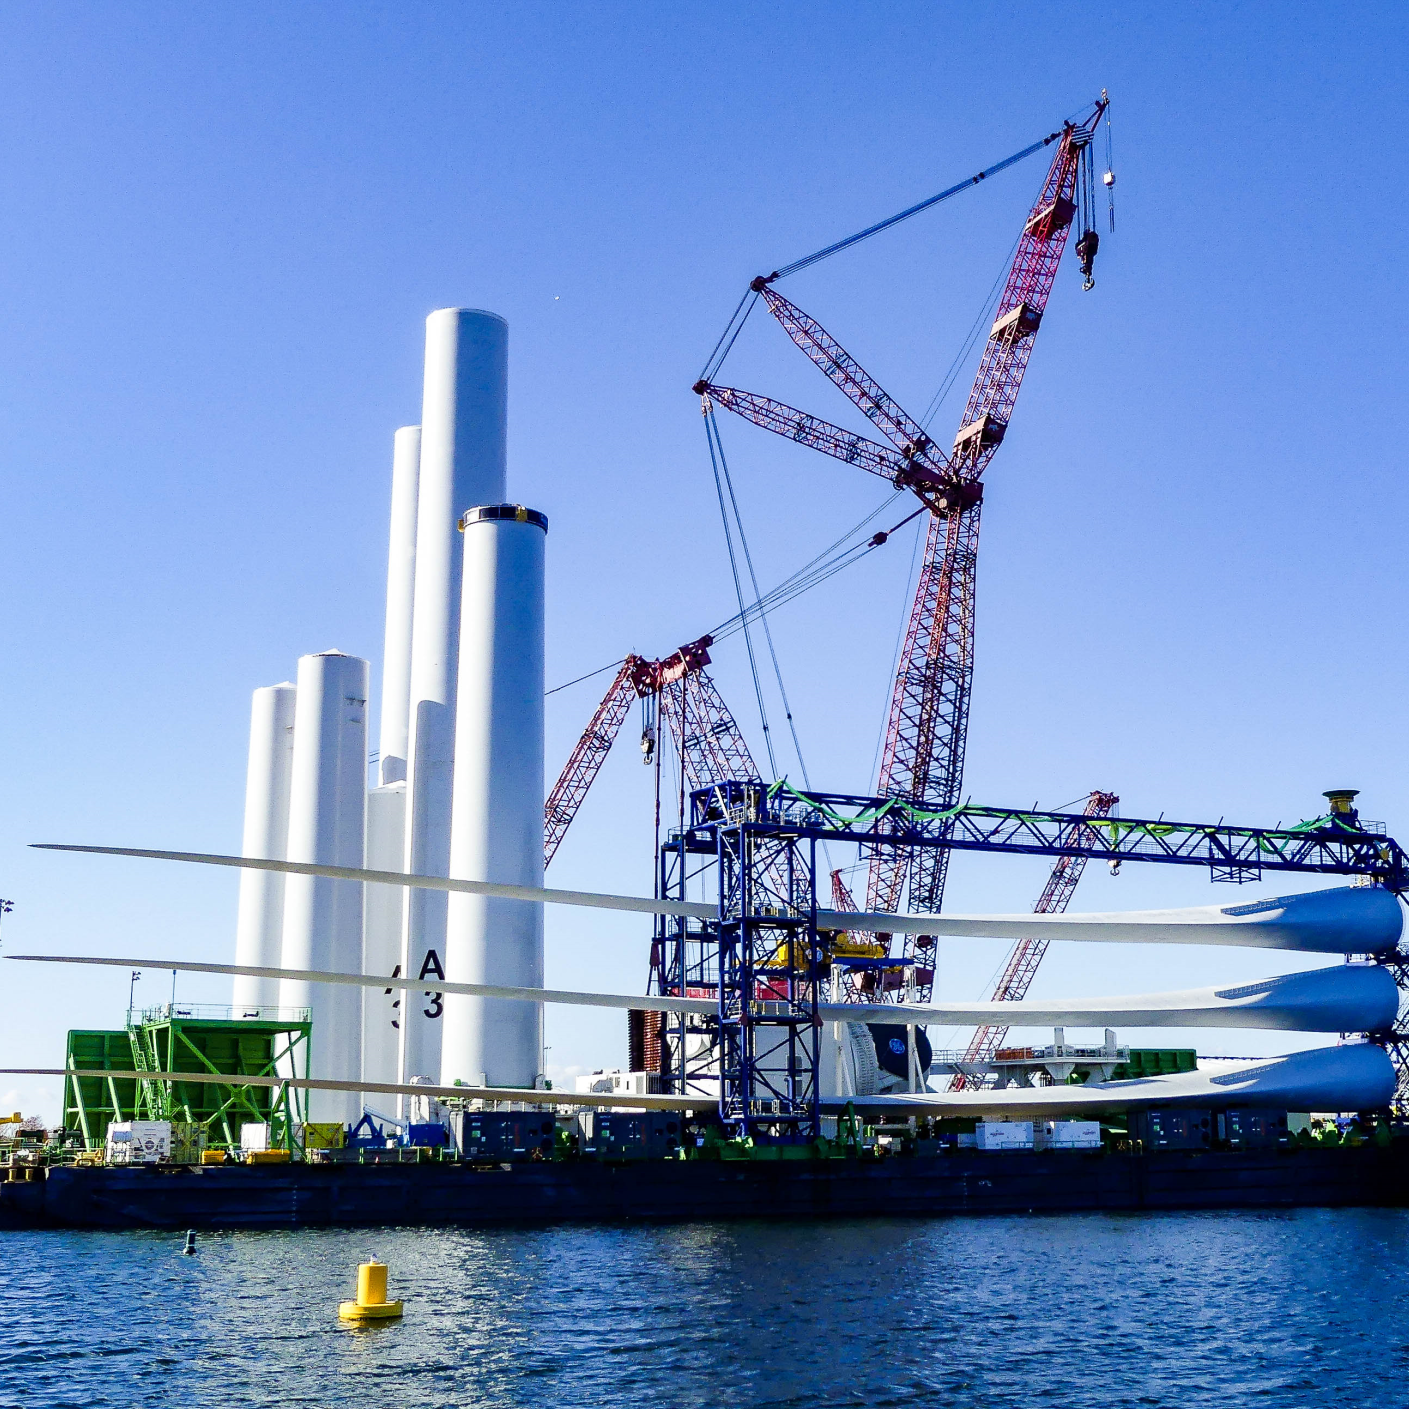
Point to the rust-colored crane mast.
(1024, 957)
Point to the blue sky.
(223, 228)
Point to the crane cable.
(811, 574)
(712, 430)
(738, 584)
(886, 224)
(735, 325)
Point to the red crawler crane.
(923, 757)
(705, 733)
(1026, 954)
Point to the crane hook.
(1086, 248)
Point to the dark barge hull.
(448, 1194)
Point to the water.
(1228, 1309)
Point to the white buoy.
(323, 917)
(463, 449)
(400, 594)
(259, 926)
(497, 829)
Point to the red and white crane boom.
(927, 728)
(1024, 957)
(707, 738)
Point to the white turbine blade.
(1342, 920)
(689, 909)
(1343, 998)
(1356, 1077)
(647, 1003)
(523, 1095)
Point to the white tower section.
(463, 447)
(323, 917)
(497, 833)
(400, 594)
(381, 937)
(259, 927)
(383, 906)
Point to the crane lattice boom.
(1024, 957)
(707, 738)
(927, 726)
(923, 757)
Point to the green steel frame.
(168, 1040)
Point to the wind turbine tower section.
(259, 926)
(497, 829)
(462, 464)
(322, 916)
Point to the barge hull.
(583, 1191)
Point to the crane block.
(1043, 224)
(1020, 322)
(980, 434)
(649, 677)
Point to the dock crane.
(927, 728)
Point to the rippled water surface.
(1302, 1308)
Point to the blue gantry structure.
(754, 846)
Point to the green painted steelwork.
(90, 1102)
(171, 1039)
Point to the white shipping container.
(138, 1141)
(1003, 1135)
(254, 1136)
(1074, 1135)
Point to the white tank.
(497, 831)
(323, 917)
(400, 594)
(259, 926)
(463, 448)
(381, 934)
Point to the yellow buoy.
(371, 1303)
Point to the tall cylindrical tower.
(381, 938)
(400, 594)
(384, 906)
(259, 927)
(323, 917)
(497, 831)
(463, 449)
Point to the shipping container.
(1072, 1134)
(254, 1135)
(1155, 1061)
(621, 1135)
(1179, 1128)
(427, 1134)
(1003, 1135)
(188, 1141)
(503, 1135)
(138, 1141)
(1251, 1127)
